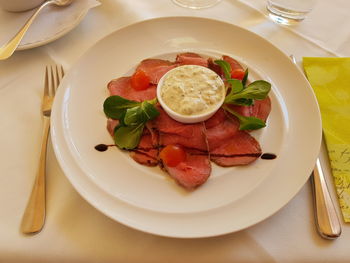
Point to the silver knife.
(327, 221)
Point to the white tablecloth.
(74, 230)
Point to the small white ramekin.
(185, 118)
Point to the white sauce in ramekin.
(192, 90)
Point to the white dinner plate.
(146, 198)
(52, 23)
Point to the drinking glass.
(196, 4)
(289, 11)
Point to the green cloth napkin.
(330, 79)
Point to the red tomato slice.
(237, 74)
(140, 81)
(172, 155)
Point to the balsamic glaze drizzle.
(268, 156)
(101, 147)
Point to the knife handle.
(327, 221)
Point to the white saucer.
(51, 24)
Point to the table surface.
(77, 232)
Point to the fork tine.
(62, 71)
(59, 75)
(53, 82)
(58, 78)
(46, 86)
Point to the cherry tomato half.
(172, 155)
(140, 81)
(237, 74)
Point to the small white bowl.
(186, 118)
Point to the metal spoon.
(7, 50)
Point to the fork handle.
(34, 215)
(327, 222)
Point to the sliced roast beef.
(240, 149)
(221, 133)
(148, 140)
(155, 68)
(218, 139)
(111, 124)
(122, 87)
(196, 169)
(216, 119)
(153, 132)
(174, 132)
(165, 124)
(145, 158)
(233, 63)
(192, 172)
(190, 58)
(261, 109)
(146, 152)
(214, 67)
(227, 144)
(196, 142)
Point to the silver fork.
(327, 222)
(34, 215)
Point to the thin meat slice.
(146, 152)
(214, 67)
(111, 124)
(196, 169)
(198, 141)
(174, 132)
(148, 140)
(233, 63)
(190, 58)
(154, 134)
(192, 172)
(216, 119)
(145, 158)
(221, 133)
(155, 68)
(227, 144)
(122, 87)
(220, 128)
(165, 124)
(240, 149)
(261, 109)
